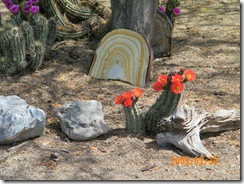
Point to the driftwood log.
(184, 126)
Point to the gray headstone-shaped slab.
(82, 120)
(18, 120)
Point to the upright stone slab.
(82, 120)
(18, 120)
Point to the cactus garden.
(46, 50)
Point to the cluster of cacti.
(172, 86)
(133, 117)
(72, 16)
(24, 38)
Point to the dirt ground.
(206, 39)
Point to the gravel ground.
(206, 39)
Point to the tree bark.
(136, 15)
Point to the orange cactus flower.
(176, 78)
(119, 99)
(177, 87)
(163, 79)
(137, 92)
(158, 86)
(127, 95)
(128, 102)
(190, 75)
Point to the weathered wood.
(123, 55)
(161, 35)
(183, 128)
(136, 15)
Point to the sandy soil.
(206, 39)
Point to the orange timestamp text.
(185, 160)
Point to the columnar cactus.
(134, 123)
(167, 102)
(172, 9)
(73, 16)
(24, 42)
(133, 118)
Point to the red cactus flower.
(190, 75)
(127, 95)
(177, 87)
(163, 79)
(158, 86)
(119, 99)
(137, 92)
(176, 78)
(128, 102)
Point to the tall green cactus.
(72, 15)
(134, 123)
(40, 27)
(164, 106)
(74, 11)
(170, 5)
(167, 102)
(37, 55)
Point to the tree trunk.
(136, 15)
(125, 53)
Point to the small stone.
(208, 168)
(82, 120)
(64, 150)
(54, 155)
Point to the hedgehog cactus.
(24, 42)
(133, 118)
(167, 102)
(134, 123)
(172, 86)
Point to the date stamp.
(185, 160)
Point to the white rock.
(82, 120)
(18, 120)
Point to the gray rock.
(18, 120)
(82, 120)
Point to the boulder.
(18, 120)
(82, 120)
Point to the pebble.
(64, 150)
(54, 156)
